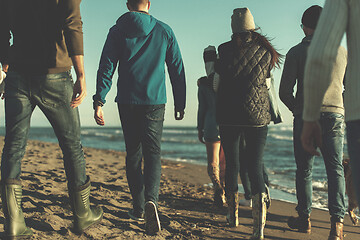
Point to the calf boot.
(232, 199)
(84, 216)
(259, 216)
(336, 231)
(301, 223)
(11, 196)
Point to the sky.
(196, 24)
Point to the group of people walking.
(236, 104)
(239, 81)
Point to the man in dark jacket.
(331, 120)
(140, 45)
(47, 41)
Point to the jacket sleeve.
(4, 33)
(201, 109)
(176, 72)
(73, 27)
(107, 66)
(288, 81)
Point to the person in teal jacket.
(140, 45)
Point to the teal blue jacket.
(140, 45)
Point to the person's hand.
(99, 116)
(5, 67)
(79, 92)
(179, 115)
(201, 136)
(311, 137)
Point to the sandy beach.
(185, 203)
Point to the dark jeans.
(52, 94)
(244, 174)
(245, 180)
(333, 127)
(142, 127)
(353, 141)
(255, 138)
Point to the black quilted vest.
(243, 98)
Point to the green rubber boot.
(84, 216)
(11, 195)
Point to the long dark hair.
(253, 36)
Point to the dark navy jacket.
(141, 45)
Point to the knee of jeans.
(335, 173)
(71, 148)
(305, 173)
(152, 149)
(16, 145)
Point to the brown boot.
(336, 231)
(300, 223)
(232, 199)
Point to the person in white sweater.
(338, 17)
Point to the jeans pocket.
(56, 89)
(156, 112)
(334, 126)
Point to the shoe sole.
(133, 217)
(299, 229)
(152, 222)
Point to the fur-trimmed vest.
(243, 98)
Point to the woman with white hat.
(243, 111)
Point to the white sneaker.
(245, 202)
(152, 222)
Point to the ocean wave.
(178, 140)
(113, 135)
(320, 185)
(192, 161)
(180, 131)
(319, 198)
(281, 137)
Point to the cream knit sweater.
(338, 17)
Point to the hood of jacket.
(136, 24)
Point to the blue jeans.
(244, 174)
(353, 137)
(255, 138)
(52, 93)
(142, 127)
(333, 128)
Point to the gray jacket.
(293, 73)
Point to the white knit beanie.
(242, 20)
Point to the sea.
(180, 144)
